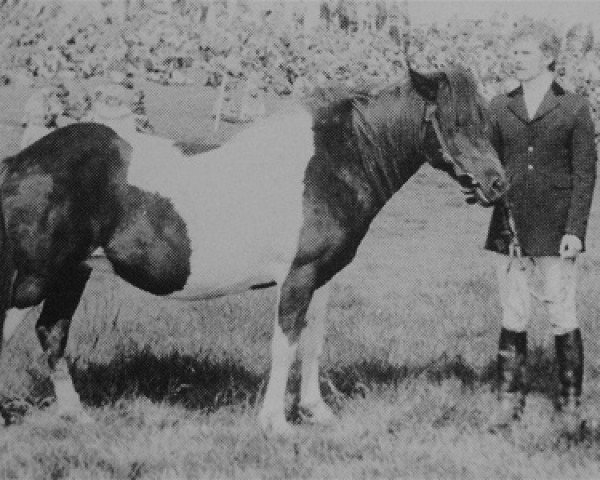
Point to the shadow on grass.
(541, 368)
(366, 375)
(210, 383)
(353, 379)
(205, 383)
(195, 383)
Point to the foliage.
(273, 46)
(408, 361)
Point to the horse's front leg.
(52, 329)
(294, 298)
(312, 408)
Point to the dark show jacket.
(550, 162)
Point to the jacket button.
(529, 167)
(530, 149)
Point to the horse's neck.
(385, 146)
(389, 173)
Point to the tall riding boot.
(512, 378)
(569, 356)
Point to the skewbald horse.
(285, 202)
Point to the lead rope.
(514, 246)
(440, 138)
(459, 170)
(515, 252)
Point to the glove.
(570, 246)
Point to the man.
(545, 139)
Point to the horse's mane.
(387, 121)
(467, 107)
(332, 104)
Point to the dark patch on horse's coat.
(64, 294)
(66, 194)
(60, 199)
(368, 143)
(194, 148)
(358, 135)
(150, 247)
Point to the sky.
(425, 11)
(569, 12)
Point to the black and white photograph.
(299, 239)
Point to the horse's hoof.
(275, 425)
(505, 415)
(317, 413)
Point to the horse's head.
(455, 132)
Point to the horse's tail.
(6, 267)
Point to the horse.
(285, 203)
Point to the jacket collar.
(551, 100)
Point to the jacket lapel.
(551, 101)
(516, 104)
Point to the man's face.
(528, 60)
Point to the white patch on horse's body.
(242, 202)
(68, 403)
(311, 348)
(283, 353)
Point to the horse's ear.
(427, 85)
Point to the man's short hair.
(548, 39)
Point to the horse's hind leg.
(312, 408)
(52, 329)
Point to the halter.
(514, 247)
(455, 167)
(430, 117)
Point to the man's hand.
(570, 246)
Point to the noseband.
(430, 118)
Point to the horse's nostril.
(498, 185)
(467, 180)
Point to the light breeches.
(548, 279)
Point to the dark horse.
(285, 202)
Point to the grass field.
(408, 363)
